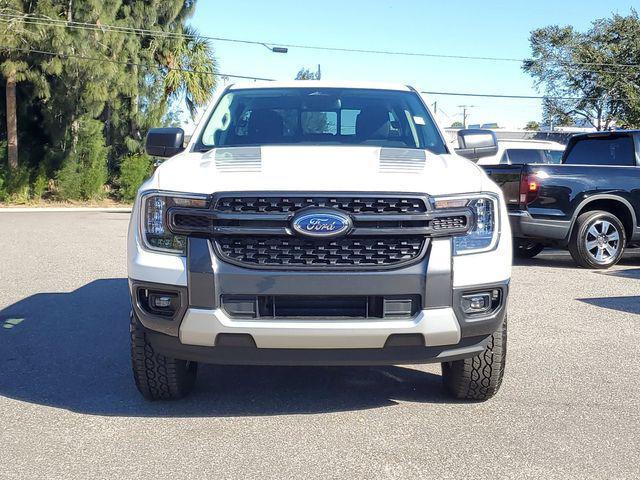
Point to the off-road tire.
(478, 378)
(526, 248)
(158, 377)
(577, 242)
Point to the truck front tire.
(598, 240)
(158, 377)
(478, 378)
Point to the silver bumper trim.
(439, 326)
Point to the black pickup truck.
(589, 204)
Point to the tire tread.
(478, 378)
(158, 377)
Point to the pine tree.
(128, 81)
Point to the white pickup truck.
(315, 223)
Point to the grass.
(104, 203)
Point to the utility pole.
(464, 114)
(435, 107)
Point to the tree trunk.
(75, 133)
(12, 123)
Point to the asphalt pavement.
(569, 406)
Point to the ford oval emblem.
(321, 224)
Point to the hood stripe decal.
(402, 160)
(238, 159)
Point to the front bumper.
(241, 353)
(202, 330)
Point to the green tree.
(457, 125)
(585, 76)
(84, 171)
(15, 69)
(190, 70)
(306, 74)
(532, 125)
(127, 80)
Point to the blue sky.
(489, 28)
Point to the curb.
(63, 209)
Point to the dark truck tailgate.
(507, 177)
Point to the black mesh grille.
(353, 204)
(300, 252)
(191, 221)
(447, 223)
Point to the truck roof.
(510, 142)
(319, 84)
(604, 133)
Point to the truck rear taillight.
(529, 189)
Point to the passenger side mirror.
(474, 143)
(164, 142)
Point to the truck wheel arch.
(614, 204)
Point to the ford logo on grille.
(321, 224)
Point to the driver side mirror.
(475, 143)
(164, 142)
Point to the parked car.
(517, 152)
(313, 223)
(589, 204)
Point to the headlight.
(153, 220)
(484, 233)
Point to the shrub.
(40, 183)
(134, 170)
(84, 170)
(3, 190)
(14, 185)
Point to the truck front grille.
(350, 204)
(299, 252)
(255, 230)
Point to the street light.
(276, 49)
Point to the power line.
(132, 64)
(249, 77)
(45, 21)
(524, 97)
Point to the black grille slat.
(448, 223)
(192, 221)
(300, 252)
(350, 204)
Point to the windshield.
(331, 116)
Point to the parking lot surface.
(569, 405)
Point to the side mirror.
(164, 142)
(475, 143)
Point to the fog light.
(476, 302)
(160, 301)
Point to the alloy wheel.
(602, 241)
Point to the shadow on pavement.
(555, 258)
(621, 304)
(552, 259)
(71, 351)
(629, 273)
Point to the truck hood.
(318, 168)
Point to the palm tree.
(190, 70)
(15, 69)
